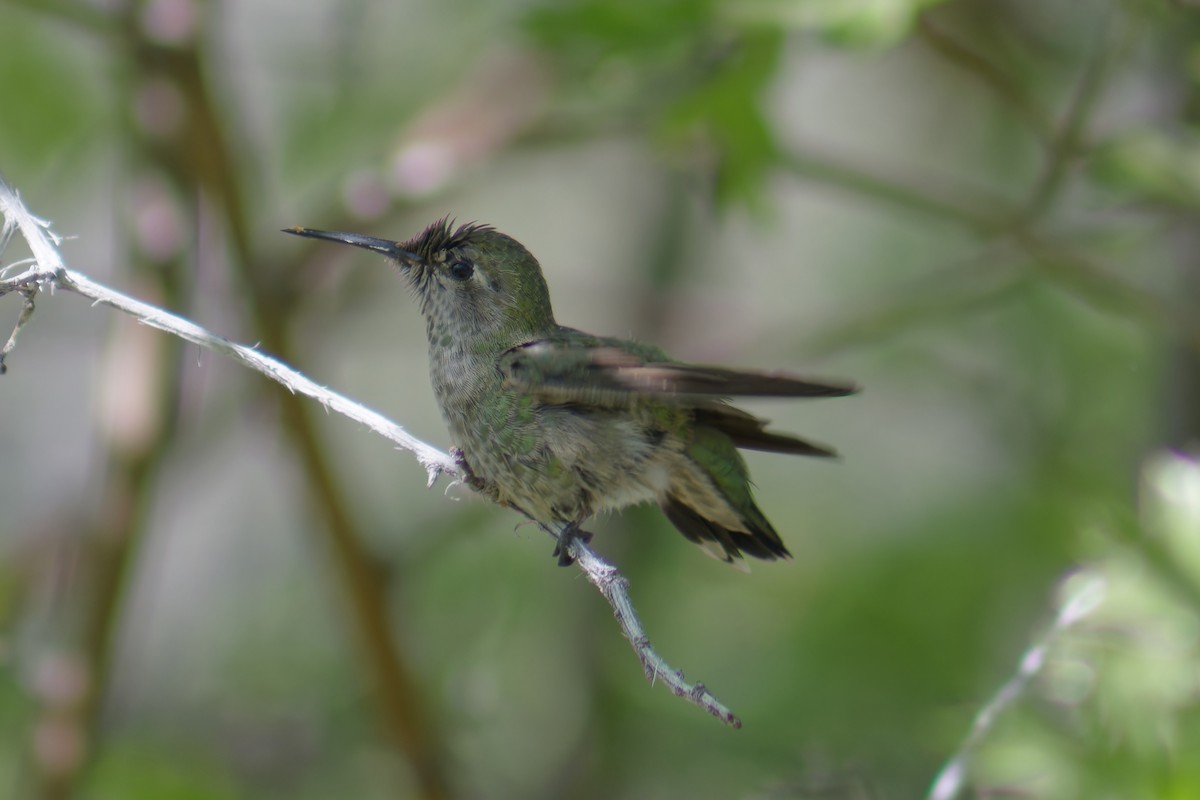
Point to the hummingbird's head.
(472, 281)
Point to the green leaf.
(724, 115)
(1161, 166)
(51, 94)
(852, 23)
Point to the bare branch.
(27, 309)
(433, 460)
(983, 215)
(1066, 142)
(991, 76)
(50, 271)
(615, 588)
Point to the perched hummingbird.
(560, 424)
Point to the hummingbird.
(559, 424)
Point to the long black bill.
(386, 246)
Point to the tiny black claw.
(464, 470)
(564, 559)
(562, 548)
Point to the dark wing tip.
(726, 382)
(801, 387)
(842, 390)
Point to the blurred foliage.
(44, 62)
(687, 74)
(1158, 166)
(994, 204)
(1114, 712)
(692, 74)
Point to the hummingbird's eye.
(461, 270)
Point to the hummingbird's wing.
(708, 497)
(614, 373)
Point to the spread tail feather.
(759, 541)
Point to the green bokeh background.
(983, 212)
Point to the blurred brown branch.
(1000, 224)
(1067, 140)
(1021, 228)
(197, 158)
(991, 76)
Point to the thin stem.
(843, 176)
(987, 73)
(1092, 282)
(27, 309)
(1066, 142)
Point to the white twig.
(952, 777)
(615, 588)
(42, 241)
(433, 460)
(27, 309)
(50, 271)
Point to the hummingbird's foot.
(464, 470)
(568, 534)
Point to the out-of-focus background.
(983, 212)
